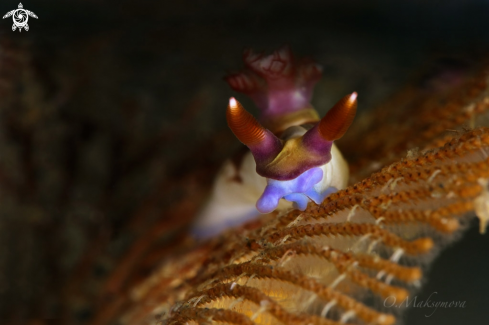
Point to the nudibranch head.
(289, 158)
(281, 87)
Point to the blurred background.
(112, 126)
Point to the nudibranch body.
(292, 155)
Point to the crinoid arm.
(361, 254)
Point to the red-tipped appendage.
(332, 126)
(264, 145)
(339, 118)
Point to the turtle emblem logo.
(20, 17)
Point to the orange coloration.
(244, 126)
(335, 123)
(414, 185)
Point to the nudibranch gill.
(291, 155)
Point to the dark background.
(90, 91)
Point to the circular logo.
(20, 18)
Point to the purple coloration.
(317, 153)
(266, 150)
(282, 86)
(315, 143)
(292, 190)
(283, 101)
(300, 200)
(278, 83)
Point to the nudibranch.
(292, 159)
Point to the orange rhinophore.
(338, 119)
(244, 126)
